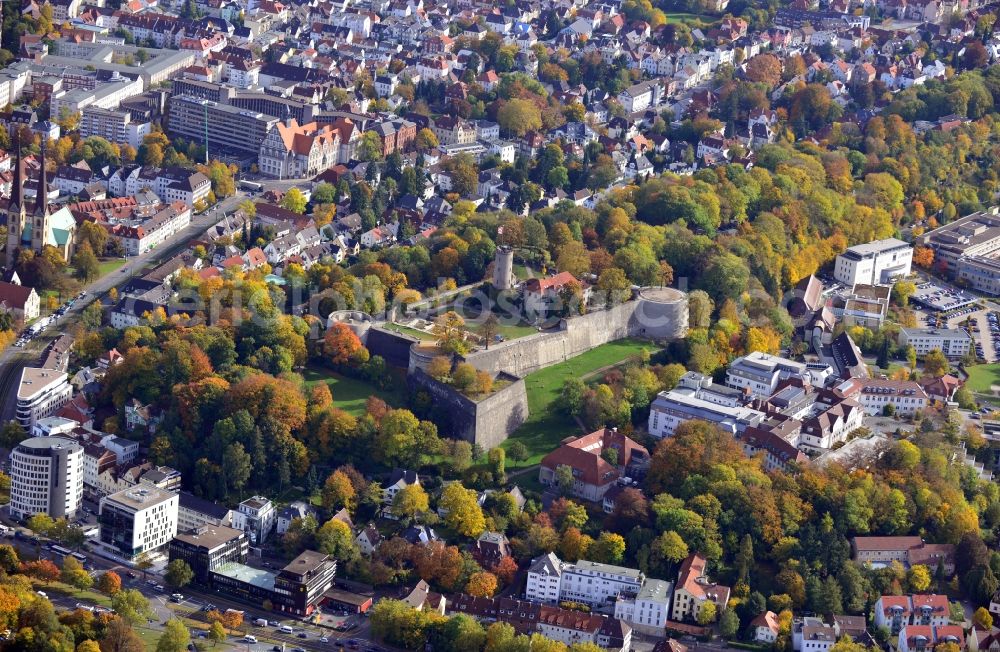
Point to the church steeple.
(16, 190)
(42, 195)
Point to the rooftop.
(240, 572)
(142, 496)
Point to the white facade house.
(257, 517)
(643, 603)
(953, 342)
(874, 263)
(139, 520)
(41, 392)
(46, 477)
(759, 373)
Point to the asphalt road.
(13, 359)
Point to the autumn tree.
(936, 364)
(410, 501)
(519, 116)
(338, 492)
(764, 68)
(294, 201)
(482, 585)
(109, 583)
(463, 513)
(342, 345)
(450, 331)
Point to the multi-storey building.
(222, 126)
(293, 150)
(138, 520)
(40, 393)
(46, 477)
(874, 263)
(299, 585)
(760, 373)
(113, 125)
(208, 547)
(256, 516)
(953, 342)
(694, 589)
(973, 236)
(896, 612)
(633, 598)
(907, 397)
(907, 550)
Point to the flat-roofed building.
(953, 342)
(40, 393)
(225, 127)
(209, 547)
(139, 520)
(973, 235)
(760, 373)
(46, 477)
(874, 263)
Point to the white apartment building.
(953, 342)
(257, 517)
(153, 232)
(643, 603)
(759, 373)
(906, 396)
(670, 409)
(113, 125)
(875, 263)
(41, 392)
(46, 477)
(139, 520)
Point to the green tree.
(217, 633)
(179, 573)
(729, 623)
(12, 434)
(294, 201)
(175, 637)
(609, 548)
(85, 263)
(707, 613)
(132, 606)
(74, 574)
(369, 147)
(92, 316)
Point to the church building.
(38, 227)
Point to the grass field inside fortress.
(350, 394)
(546, 427)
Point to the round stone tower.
(503, 268)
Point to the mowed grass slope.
(350, 394)
(982, 376)
(546, 427)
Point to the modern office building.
(223, 126)
(295, 589)
(953, 342)
(113, 125)
(973, 235)
(671, 409)
(979, 273)
(46, 477)
(139, 520)
(760, 373)
(874, 263)
(208, 547)
(40, 394)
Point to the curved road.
(13, 359)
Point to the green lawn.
(110, 265)
(350, 394)
(981, 376)
(406, 330)
(682, 17)
(510, 332)
(545, 427)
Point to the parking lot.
(935, 298)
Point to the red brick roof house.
(593, 474)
